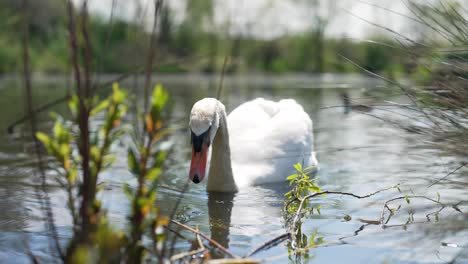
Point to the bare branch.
(214, 243)
(450, 173)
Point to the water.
(357, 153)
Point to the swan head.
(204, 123)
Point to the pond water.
(357, 152)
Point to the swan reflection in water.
(219, 210)
(237, 219)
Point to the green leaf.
(407, 199)
(320, 240)
(159, 159)
(72, 175)
(315, 188)
(100, 107)
(153, 174)
(438, 197)
(133, 162)
(73, 105)
(43, 138)
(312, 238)
(128, 190)
(298, 167)
(108, 160)
(158, 101)
(117, 95)
(292, 176)
(64, 150)
(160, 97)
(347, 218)
(95, 153)
(57, 130)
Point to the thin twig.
(221, 79)
(110, 25)
(403, 89)
(44, 199)
(30, 254)
(151, 54)
(119, 78)
(214, 243)
(174, 211)
(187, 254)
(271, 243)
(385, 205)
(450, 173)
(296, 218)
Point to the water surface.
(357, 153)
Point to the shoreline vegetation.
(120, 46)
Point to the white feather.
(267, 138)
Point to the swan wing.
(267, 138)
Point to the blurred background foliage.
(120, 46)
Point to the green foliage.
(59, 145)
(120, 46)
(64, 140)
(303, 183)
(347, 218)
(146, 162)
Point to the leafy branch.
(145, 162)
(305, 188)
(62, 146)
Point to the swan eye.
(197, 141)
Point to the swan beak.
(198, 164)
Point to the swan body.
(257, 143)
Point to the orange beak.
(198, 164)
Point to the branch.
(271, 243)
(385, 205)
(402, 88)
(221, 80)
(214, 243)
(299, 209)
(44, 199)
(450, 173)
(119, 78)
(151, 54)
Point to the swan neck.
(220, 178)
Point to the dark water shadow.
(221, 207)
(219, 210)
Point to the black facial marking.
(197, 141)
(196, 180)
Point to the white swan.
(257, 143)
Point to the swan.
(257, 143)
